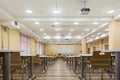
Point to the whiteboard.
(65, 51)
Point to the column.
(83, 45)
(114, 44)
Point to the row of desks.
(6, 54)
(117, 61)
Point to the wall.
(98, 44)
(53, 48)
(114, 35)
(43, 48)
(37, 47)
(14, 39)
(0, 38)
(9, 38)
(5, 38)
(32, 46)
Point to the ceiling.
(49, 32)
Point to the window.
(24, 44)
(40, 48)
(106, 47)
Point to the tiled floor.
(59, 71)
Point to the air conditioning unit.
(85, 11)
(10, 24)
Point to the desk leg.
(117, 69)
(82, 69)
(31, 69)
(6, 66)
(44, 64)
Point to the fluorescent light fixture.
(96, 23)
(56, 11)
(103, 35)
(77, 37)
(37, 23)
(91, 40)
(28, 11)
(107, 29)
(56, 23)
(57, 37)
(118, 16)
(110, 11)
(68, 37)
(76, 23)
(41, 29)
(103, 25)
(57, 29)
(47, 37)
(71, 29)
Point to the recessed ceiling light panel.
(96, 23)
(37, 23)
(76, 23)
(28, 11)
(56, 11)
(110, 11)
(41, 29)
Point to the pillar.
(83, 45)
(114, 44)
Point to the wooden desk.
(82, 56)
(117, 61)
(30, 76)
(45, 64)
(6, 63)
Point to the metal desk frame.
(6, 54)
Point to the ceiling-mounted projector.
(85, 11)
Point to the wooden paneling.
(14, 39)
(32, 46)
(43, 48)
(0, 38)
(114, 35)
(5, 36)
(98, 44)
(37, 47)
(54, 48)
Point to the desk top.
(27, 55)
(45, 56)
(113, 51)
(9, 51)
(70, 56)
(87, 55)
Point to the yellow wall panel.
(6, 44)
(37, 47)
(32, 46)
(54, 48)
(43, 48)
(14, 36)
(98, 44)
(114, 35)
(0, 38)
